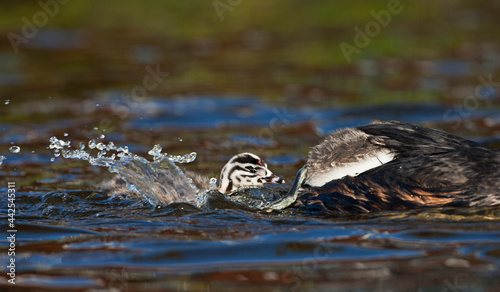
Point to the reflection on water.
(127, 244)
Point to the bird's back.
(430, 168)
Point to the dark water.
(81, 240)
(268, 77)
(77, 239)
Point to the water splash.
(213, 184)
(156, 152)
(160, 181)
(2, 158)
(158, 156)
(14, 149)
(202, 197)
(187, 158)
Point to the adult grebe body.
(394, 166)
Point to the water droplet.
(96, 104)
(123, 149)
(7, 101)
(92, 144)
(58, 144)
(2, 158)
(66, 134)
(187, 158)
(213, 183)
(96, 128)
(100, 146)
(15, 149)
(82, 146)
(102, 136)
(180, 139)
(52, 159)
(156, 153)
(111, 146)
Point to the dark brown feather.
(431, 169)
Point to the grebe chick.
(245, 170)
(241, 171)
(396, 165)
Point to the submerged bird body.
(394, 165)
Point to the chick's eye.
(251, 169)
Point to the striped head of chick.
(245, 170)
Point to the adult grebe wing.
(411, 140)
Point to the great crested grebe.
(241, 171)
(393, 166)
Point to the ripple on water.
(67, 232)
(59, 282)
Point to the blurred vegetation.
(279, 49)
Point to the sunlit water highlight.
(140, 175)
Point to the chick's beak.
(274, 179)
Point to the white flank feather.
(352, 169)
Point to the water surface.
(268, 78)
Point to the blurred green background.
(279, 50)
(64, 64)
